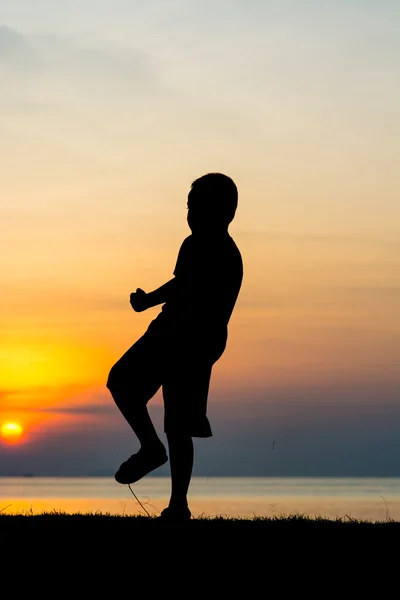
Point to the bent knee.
(114, 378)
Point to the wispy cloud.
(74, 96)
(88, 409)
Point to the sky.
(109, 109)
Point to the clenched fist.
(138, 300)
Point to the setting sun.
(11, 431)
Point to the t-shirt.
(208, 277)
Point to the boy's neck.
(211, 233)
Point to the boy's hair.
(219, 192)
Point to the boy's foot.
(140, 464)
(175, 515)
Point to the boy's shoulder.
(186, 244)
(223, 246)
(224, 241)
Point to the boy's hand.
(138, 300)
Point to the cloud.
(52, 398)
(61, 57)
(340, 431)
(47, 292)
(54, 87)
(12, 43)
(88, 409)
(74, 110)
(320, 237)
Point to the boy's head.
(212, 202)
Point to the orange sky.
(100, 141)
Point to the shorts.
(181, 366)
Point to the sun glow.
(11, 432)
(25, 362)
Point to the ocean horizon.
(367, 498)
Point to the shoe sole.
(129, 480)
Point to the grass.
(98, 521)
(280, 552)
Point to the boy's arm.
(141, 301)
(161, 294)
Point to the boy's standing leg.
(185, 391)
(181, 456)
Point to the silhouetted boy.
(181, 345)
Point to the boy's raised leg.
(152, 453)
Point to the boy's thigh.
(139, 370)
(185, 391)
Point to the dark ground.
(103, 555)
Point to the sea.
(372, 499)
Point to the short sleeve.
(183, 260)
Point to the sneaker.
(139, 465)
(175, 515)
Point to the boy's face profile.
(201, 217)
(196, 216)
